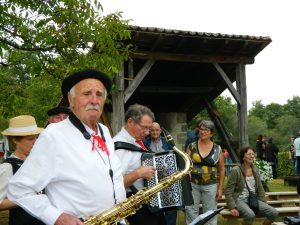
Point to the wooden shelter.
(183, 72)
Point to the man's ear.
(130, 122)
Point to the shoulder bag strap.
(245, 179)
(15, 163)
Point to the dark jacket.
(165, 145)
(236, 183)
(259, 149)
(191, 136)
(271, 152)
(18, 216)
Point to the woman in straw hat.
(21, 135)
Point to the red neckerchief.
(141, 144)
(100, 144)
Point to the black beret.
(57, 110)
(73, 79)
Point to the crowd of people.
(268, 151)
(74, 169)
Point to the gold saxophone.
(133, 203)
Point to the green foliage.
(64, 41)
(286, 127)
(226, 110)
(293, 106)
(267, 113)
(41, 42)
(284, 166)
(256, 126)
(277, 121)
(258, 110)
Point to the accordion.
(171, 197)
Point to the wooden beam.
(130, 70)
(213, 112)
(242, 106)
(231, 88)
(190, 58)
(173, 90)
(138, 79)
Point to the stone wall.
(176, 124)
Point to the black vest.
(18, 216)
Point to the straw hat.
(22, 126)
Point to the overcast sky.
(274, 76)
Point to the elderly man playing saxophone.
(73, 161)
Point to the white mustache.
(92, 107)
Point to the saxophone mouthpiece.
(168, 137)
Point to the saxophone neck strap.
(79, 125)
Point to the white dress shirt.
(6, 172)
(130, 160)
(75, 177)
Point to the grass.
(278, 185)
(274, 185)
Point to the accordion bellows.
(171, 197)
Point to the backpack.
(292, 220)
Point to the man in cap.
(73, 160)
(138, 122)
(58, 114)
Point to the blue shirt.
(297, 146)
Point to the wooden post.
(242, 105)
(118, 116)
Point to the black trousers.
(19, 216)
(144, 217)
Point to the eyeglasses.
(144, 128)
(204, 130)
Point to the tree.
(268, 113)
(273, 112)
(258, 110)
(256, 126)
(286, 127)
(293, 106)
(41, 42)
(227, 112)
(65, 35)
